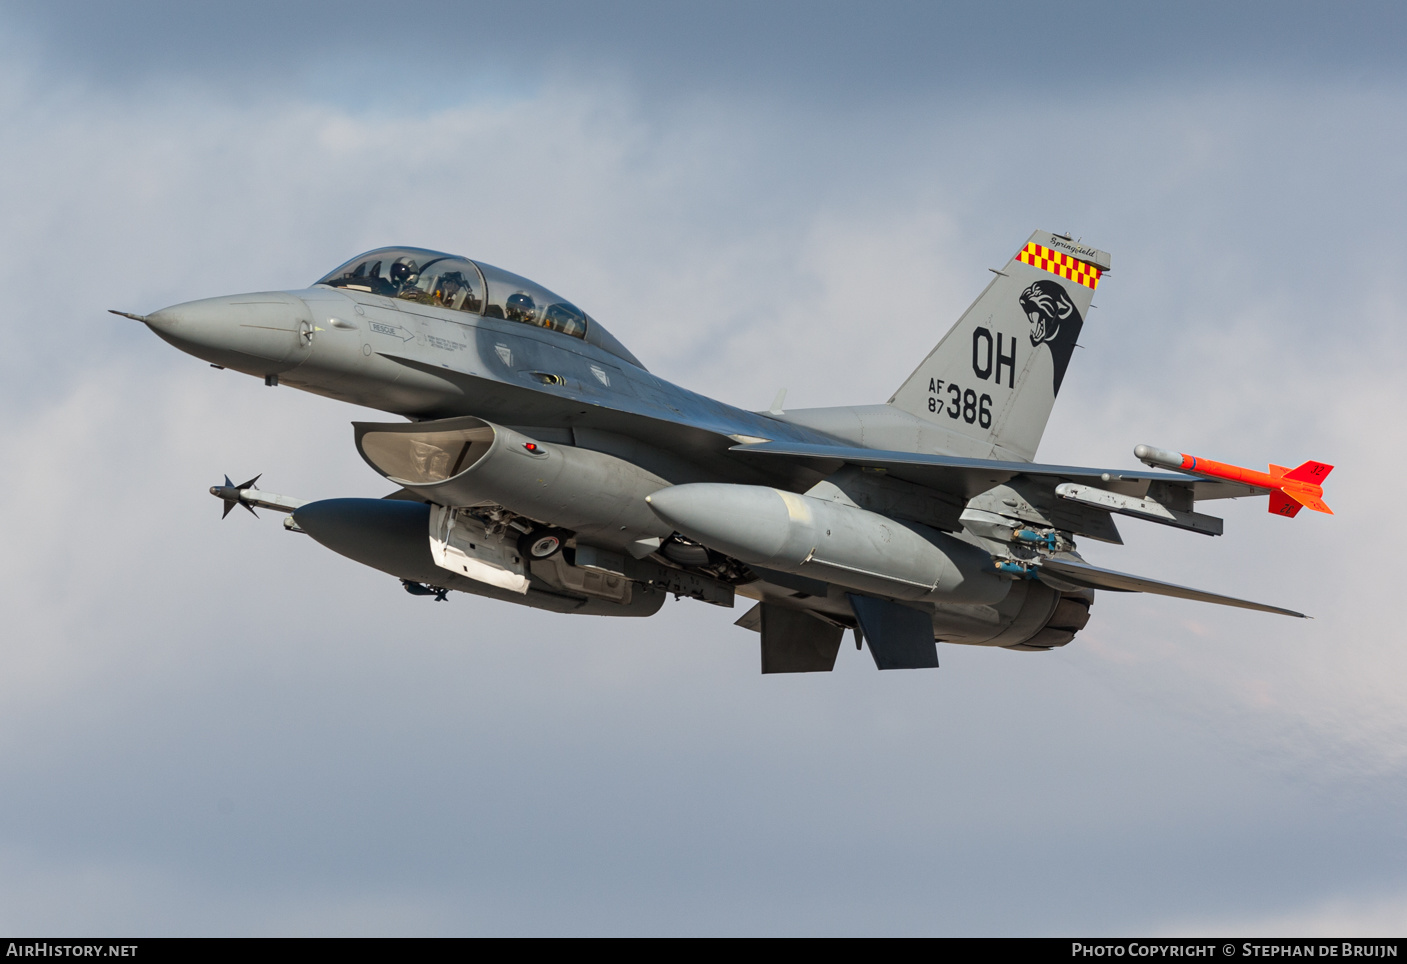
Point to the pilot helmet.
(519, 307)
(403, 272)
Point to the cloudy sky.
(215, 727)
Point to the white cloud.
(1339, 918)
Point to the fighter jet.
(537, 461)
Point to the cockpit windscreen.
(444, 281)
(414, 274)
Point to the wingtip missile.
(247, 495)
(233, 495)
(1289, 489)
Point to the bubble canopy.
(446, 281)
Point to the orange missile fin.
(1312, 472)
(1309, 496)
(1282, 504)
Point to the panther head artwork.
(1047, 305)
(1055, 321)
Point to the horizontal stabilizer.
(1083, 575)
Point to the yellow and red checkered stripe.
(1072, 269)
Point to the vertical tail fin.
(995, 374)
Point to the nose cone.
(747, 521)
(261, 333)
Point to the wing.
(1066, 574)
(965, 478)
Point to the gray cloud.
(357, 52)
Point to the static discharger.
(1290, 489)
